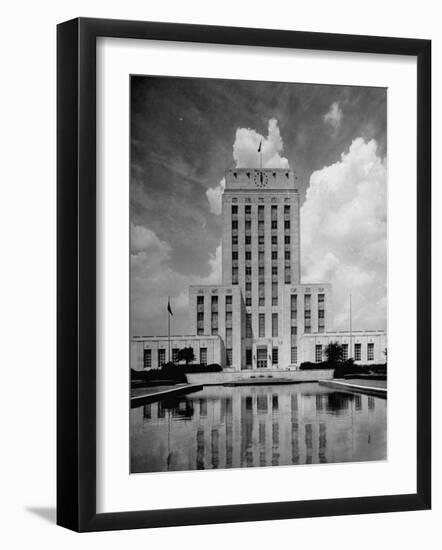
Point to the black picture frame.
(77, 287)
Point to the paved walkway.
(355, 386)
(365, 382)
(157, 393)
(148, 390)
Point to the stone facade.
(262, 315)
(150, 352)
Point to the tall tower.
(261, 253)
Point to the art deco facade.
(264, 316)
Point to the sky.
(186, 132)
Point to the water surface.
(237, 427)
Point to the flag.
(259, 148)
(168, 307)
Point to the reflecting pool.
(237, 427)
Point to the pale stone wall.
(213, 345)
(231, 376)
(377, 338)
(221, 291)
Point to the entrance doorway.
(261, 356)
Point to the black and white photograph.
(258, 274)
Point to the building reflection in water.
(225, 427)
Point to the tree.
(186, 354)
(334, 353)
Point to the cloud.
(245, 155)
(333, 116)
(153, 279)
(344, 234)
(214, 195)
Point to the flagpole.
(168, 326)
(351, 330)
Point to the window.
(235, 255)
(248, 226)
(200, 316)
(294, 329)
(274, 324)
(287, 239)
(228, 337)
(307, 328)
(261, 226)
(261, 239)
(261, 274)
(274, 224)
(248, 255)
(249, 333)
(370, 351)
(248, 286)
(294, 355)
(147, 359)
(228, 303)
(286, 224)
(287, 276)
(287, 254)
(248, 269)
(234, 209)
(307, 301)
(262, 325)
(294, 306)
(321, 314)
(248, 300)
(274, 254)
(161, 357)
(248, 357)
(175, 355)
(260, 212)
(203, 356)
(274, 211)
(214, 324)
(234, 224)
(274, 270)
(357, 352)
(248, 239)
(274, 356)
(234, 239)
(214, 303)
(274, 294)
(261, 294)
(248, 209)
(274, 239)
(228, 319)
(234, 275)
(345, 352)
(321, 300)
(318, 353)
(229, 357)
(286, 209)
(200, 300)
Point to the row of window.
(248, 225)
(261, 261)
(161, 356)
(357, 352)
(261, 325)
(248, 209)
(261, 239)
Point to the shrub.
(308, 365)
(349, 367)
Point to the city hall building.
(262, 315)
